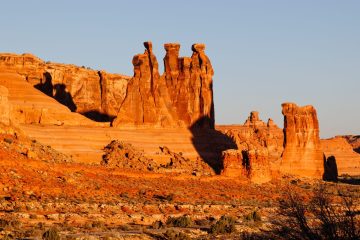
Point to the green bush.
(183, 221)
(225, 224)
(51, 234)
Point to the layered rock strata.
(302, 154)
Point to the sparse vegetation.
(253, 216)
(175, 235)
(183, 221)
(51, 234)
(320, 218)
(226, 224)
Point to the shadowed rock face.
(302, 154)
(178, 98)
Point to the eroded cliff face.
(96, 94)
(302, 154)
(181, 97)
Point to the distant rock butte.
(302, 154)
(347, 160)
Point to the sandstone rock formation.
(182, 96)
(252, 164)
(354, 140)
(233, 163)
(124, 155)
(4, 106)
(144, 103)
(93, 93)
(255, 133)
(258, 144)
(347, 161)
(302, 154)
(30, 106)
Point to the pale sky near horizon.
(264, 52)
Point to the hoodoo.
(181, 97)
(302, 154)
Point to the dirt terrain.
(91, 200)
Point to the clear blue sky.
(263, 52)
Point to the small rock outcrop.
(302, 154)
(258, 144)
(252, 164)
(124, 155)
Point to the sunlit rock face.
(96, 94)
(181, 97)
(258, 145)
(4, 106)
(302, 154)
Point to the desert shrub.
(157, 224)
(51, 234)
(97, 224)
(183, 221)
(4, 223)
(253, 216)
(226, 224)
(164, 198)
(175, 235)
(320, 218)
(8, 140)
